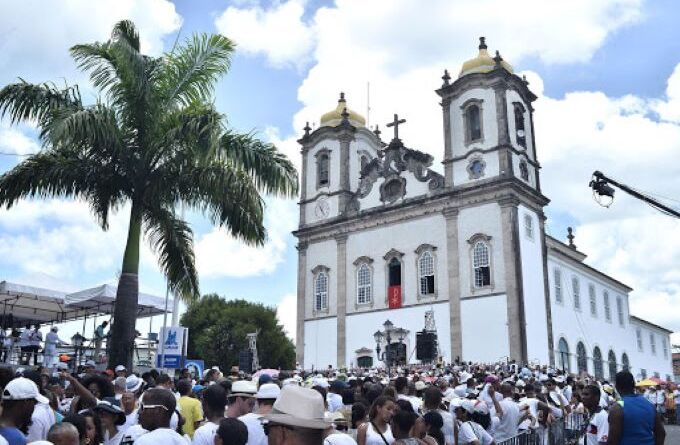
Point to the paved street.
(672, 434)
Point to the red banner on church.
(394, 296)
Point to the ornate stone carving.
(392, 161)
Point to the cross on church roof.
(395, 123)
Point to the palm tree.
(153, 140)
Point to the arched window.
(611, 358)
(519, 125)
(563, 351)
(426, 273)
(321, 291)
(581, 358)
(597, 363)
(322, 170)
(473, 120)
(364, 284)
(480, 262)
(625, 363)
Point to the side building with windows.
(383, 236)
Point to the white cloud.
(219, 254)
(60, 238)
(401, 48)
(286, 312)
(278, 32)
(15, 141)
(36, 35)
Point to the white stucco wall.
(321, 254)
(513, 96)
(321, 339)
(580, 325)
(484, 328)
(361, 326)
(405, 237)
(652, 362)
(533, 287)
(484, 219)
(489, 122)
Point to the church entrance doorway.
(365, 362)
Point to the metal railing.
(566, 431)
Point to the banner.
(195, 368)
(394, 296)
(171, 347)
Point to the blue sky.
(604, 71)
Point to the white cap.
(62, 366)
(91, 363)
(120, 368)
(22, 388)
(132, 383)
(290, 381)
(268, 391)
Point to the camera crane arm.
(601, 185)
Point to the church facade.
(383, 236)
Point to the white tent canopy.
(21, 304)
(101, 299)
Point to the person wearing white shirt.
(265, 396)
(214, 401)
(112, 419)
(52, 341)
(154, 416)
(508, 413)
(597, 431)
(334, 396)
(25, 344)
(41, 421)
(470, 432)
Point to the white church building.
(382, 236)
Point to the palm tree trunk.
(121, 341)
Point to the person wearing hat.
(470, 432)
(121, 371)
(241, 399)
(337, 434)
(90, 367)
(112, 418)
(18, 402)
(52, 341)
(334, 396)
(265, 396)
(154, 415)
(296, 418)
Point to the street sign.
(171, 347)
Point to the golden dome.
(334, 118)
(483, 63)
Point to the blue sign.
(195, 368)
(169, 361)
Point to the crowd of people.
(454, 405)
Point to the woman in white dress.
(377, 430)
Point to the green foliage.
(153, 139)
(218, 328)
